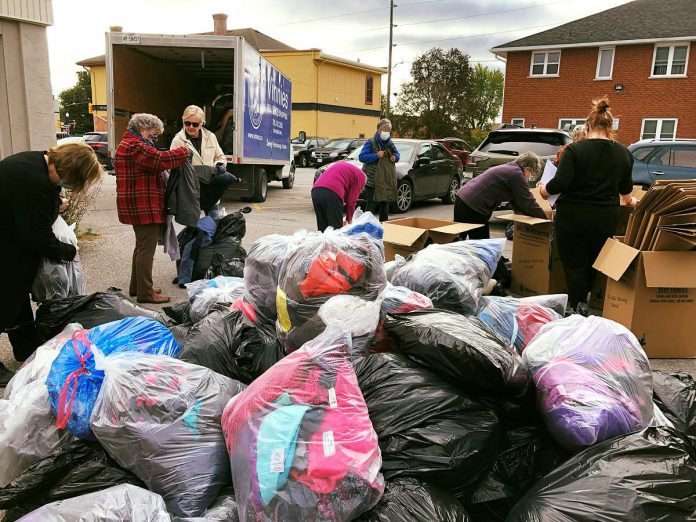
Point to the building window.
(545, 63)
(517, 121)
(570, 123)
(369, 89)
(659, 128)
(605, 63)
(670, 60)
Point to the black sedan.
(425, 170)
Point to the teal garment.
(275, 445)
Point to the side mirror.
(310, 146)
(349, 150)
(303, 136)
(422, 161)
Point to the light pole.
(391, 45)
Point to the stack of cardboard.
(651, 271)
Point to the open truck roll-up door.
(163, 74)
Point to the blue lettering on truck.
(267, 99)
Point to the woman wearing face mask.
(140, 191)
(30, 185)
(379, 156)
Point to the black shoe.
(5, 376)
(175, 281)
(583, 309)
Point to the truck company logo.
(266, 92)
(256, 103)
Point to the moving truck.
(224, 75)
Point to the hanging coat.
(385, 180)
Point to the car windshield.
(516, 143)
(337, 144)
(92, 137)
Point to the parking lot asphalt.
(106, 257)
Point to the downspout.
(502, 105)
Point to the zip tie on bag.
(64, 404)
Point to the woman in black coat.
(30, 186)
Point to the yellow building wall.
(300, 69)
(334, 125)
(345, 86)
(98, 75)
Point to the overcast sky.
(355, 30)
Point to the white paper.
(329, 444)
(548, 175)
(277, 460)
(332, 398)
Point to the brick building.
(642, 54)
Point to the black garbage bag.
(526, 454)
(427, 428)
(462, 349)
(221, 265)
(232, 225)
(88, 310)
(229, 344)
(180, 331)
(224, 509)
(649, 475)
(73, 469)
(675, 394)
(410, 500)
(179, 312)
(229, 247)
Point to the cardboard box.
(408, 235)
(536, 265)
(653, 294)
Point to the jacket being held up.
(210, 154)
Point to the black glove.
(235, 179)
(221, 168)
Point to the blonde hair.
(578, 132)
(194, 110)
(600, 117)
(77, 164)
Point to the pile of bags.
(326, 386)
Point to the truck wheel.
(261, 188)
(290, 180)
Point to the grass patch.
(88, 235)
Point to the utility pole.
(389, 72)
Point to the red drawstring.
(65, 410)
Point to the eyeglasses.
(194, 124)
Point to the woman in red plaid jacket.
(140, 191)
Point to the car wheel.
(404, 197)
(261, 188)
(448, 199)
(290, 180)
(303, 161)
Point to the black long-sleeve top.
(593, 171)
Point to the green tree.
(485, 98)
(74, 101)
(435, 96)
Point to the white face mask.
(384, 135)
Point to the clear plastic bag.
(519, 320)
(59, 280)
(301, 443)
(352, 314)
(391, 266)
(399, 299)
(160, 419)
(205, 293)
(323, 266)
(224, 509)
(124, 502)
(364, 223)
(75, 377)
(454, 275)
(593, 380)
(28, 430)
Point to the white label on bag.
(332, 398)
(374, 468)
(329, 444)
(277, 460)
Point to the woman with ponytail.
(591, 175)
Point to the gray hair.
(578, 132)
(193, 110)
(143, 121)
(384, 122)
(529, 160)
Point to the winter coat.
(368, 156)
(140, 182)
(210, 154)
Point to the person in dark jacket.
(480, 196)
(380, 189)
(590, 176)
(140, 192)
(30, 187)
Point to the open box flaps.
(404, 236)
(669, 269)
(521, 218)
(615, 258)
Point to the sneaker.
(5, 376)
(583, 309)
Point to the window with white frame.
(570, 123)
(517, 121)
(659, 128)
(545, 63)
(605, 63)
(670, 60)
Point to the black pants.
(328, 208)
(581, 231)
(23, 336)
(380, 208)
(464, 214)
